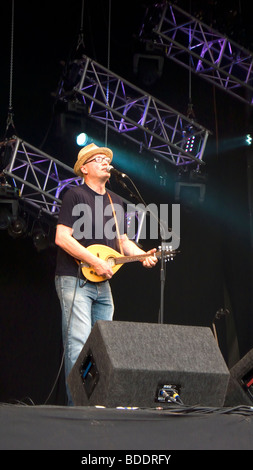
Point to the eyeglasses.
(99, 160)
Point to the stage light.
(190, 143)
(82, 139)
(40, 240)
(17, 227)
(148, 67)
(248, 139)
(189, 139)
(5, 218)
(9, 211)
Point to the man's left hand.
(151, 261)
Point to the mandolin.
(116, 260)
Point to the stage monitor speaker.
(142, 364)
(240, 386)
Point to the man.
(82, 220)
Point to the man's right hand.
(102, 268)
(65, 240)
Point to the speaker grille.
(134, 359)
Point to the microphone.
(111, 169)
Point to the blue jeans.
(82, 305)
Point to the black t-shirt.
(91, 217)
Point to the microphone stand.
(139, 198)
(162, 282)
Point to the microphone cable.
(78, 279)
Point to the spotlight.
(40, 240)
(189, 139)
(248, 139)
(17, 227)
(9, 211)
(190, 143)
(5, 218)
(82, 139)
(148, 67)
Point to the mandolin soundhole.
(111, 261)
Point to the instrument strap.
(116, 223)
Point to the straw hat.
(88, 152)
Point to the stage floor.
(91, 429)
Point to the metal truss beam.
(130, 111)
(39, 178)
(198, 47)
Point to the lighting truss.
(208, 53)
(39, 178)
(130, 111)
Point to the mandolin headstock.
(167, 251)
